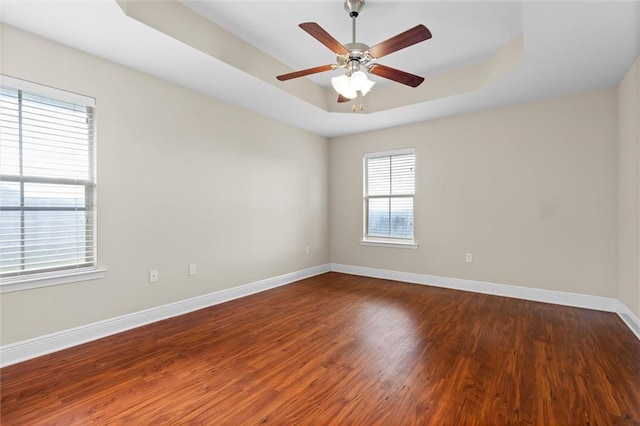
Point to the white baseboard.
(599, 303)
(27, 349)
(629, 318)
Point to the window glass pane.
(402, 174)
(53, 195)
(401, 223)
(378, 176)
(10, 220)
(378, 217)
(10, 247)
(9, 129)
(55, 138)
(54, 239)
(9, 194)
(390, 217)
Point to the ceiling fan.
(356, 56)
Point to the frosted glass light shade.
(342, 85)
(366, 86)
(358, 79)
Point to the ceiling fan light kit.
(355, 57)
(349, 85)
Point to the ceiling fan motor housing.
(353, 7)
(358, 55)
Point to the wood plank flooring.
(341, 349)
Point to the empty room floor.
(343, 349)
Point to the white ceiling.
(568, 47)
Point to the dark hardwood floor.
(341, 349)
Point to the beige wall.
(182, 179)
(629, 189)
(529, 190)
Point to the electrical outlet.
(192, 269)
(307, 250)
(469, 257)
(153, 276)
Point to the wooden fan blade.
(396, 75)
(317, 32)
(408, 38)
(342, 99)
(308, 71)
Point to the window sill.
(390, 243)
(45, 280)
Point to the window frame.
(379, 241)
(21, 280)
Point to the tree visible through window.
(47, 184)
(388, 194)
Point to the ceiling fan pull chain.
(361, 101)
(353, 105)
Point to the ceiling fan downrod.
(353, 7)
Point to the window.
(47, 181)
(389, 186)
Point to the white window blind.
(388, 194)
(47, 183)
